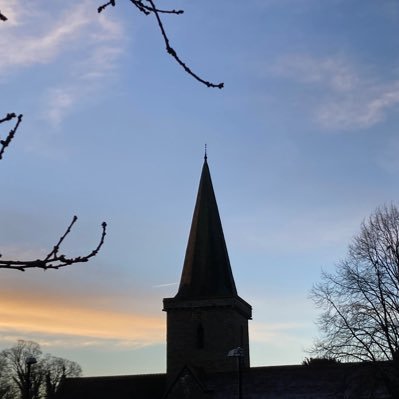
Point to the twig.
(3, 17)
(104, 6)
(8, 117)
(173, 53)
(170, 50)
(139, 4)
(5, 143)
(53, 260)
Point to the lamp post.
(29, 361)
(238, 353)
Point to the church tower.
(206, 318)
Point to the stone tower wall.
(202, 337)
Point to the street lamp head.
(237, 352)
(30, 360)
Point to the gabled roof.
(206, 271)
(187, 382)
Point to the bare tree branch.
(360, 300)
(152, 9)
(104, 6)
(5, 143)
(139, 4)
(55, 260)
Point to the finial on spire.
(206, 154)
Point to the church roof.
(145, 386)
(206, 270)
(351, 380)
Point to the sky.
(302, 146)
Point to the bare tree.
(360, 300)
(44, 377)
(56, 369)
(4, 383)
(20, 383)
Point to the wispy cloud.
(81, 45)
(348, 97)
(279, 343)
(363, 108)
(334, 73)
(315, 230)
(58, 321)
(270, 332)
(17, 12)
(23, 44)
(87, 74)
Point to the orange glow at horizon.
(61, 318)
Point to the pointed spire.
(206, 271)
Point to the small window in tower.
(200, 337)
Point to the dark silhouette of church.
(208, 342)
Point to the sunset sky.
(302, 143)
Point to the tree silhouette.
(44, 378)
(360, 300)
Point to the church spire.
(206, 271)
(206, 318)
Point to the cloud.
(87, 75)
(348, 97)
(23, 46)
(86, 82)
(57, 322)
(362, 109)
(16, 11)
(334, 73)
(319, 229)
(80, 46)
(279, 343)
(272, 332)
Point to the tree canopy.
(44, 376)
(360, 299)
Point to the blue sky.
(302, 145)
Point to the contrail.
(163, 285)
